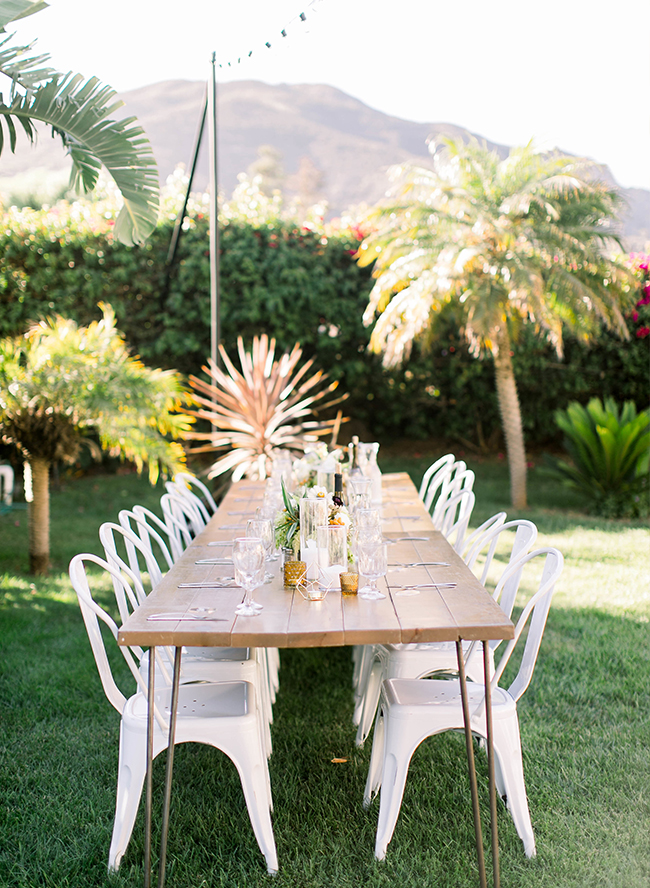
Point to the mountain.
(316, 130)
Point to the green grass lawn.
(585, 725)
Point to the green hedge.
(296, 285)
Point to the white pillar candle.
(309, 554)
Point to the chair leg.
(256, 788)
(370, 701)
(509, 774)
(375, 768)
(130, 780)
(398, 751)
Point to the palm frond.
(262, 407)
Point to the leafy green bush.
(295, 284)
(610, 455)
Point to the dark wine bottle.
(337, 496)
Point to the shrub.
(609, 448)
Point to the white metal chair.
(425, 659)
(177, 488)
(197, 663)
(224, 715)
(412, 710)
(434, 475)
(182, 519)
(190, 481)
(455, 517)
(6, 484)
(153, 531)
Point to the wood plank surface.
(288, 620)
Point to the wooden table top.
(288, 620)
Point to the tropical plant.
(609, 447)
(60, 382)
(509, 242)
(78, 111)
(261, 408)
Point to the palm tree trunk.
(511, 419)
(39, 517)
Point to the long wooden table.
(465, 611)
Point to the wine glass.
(262, 528)
(373, 563)
(248, 559)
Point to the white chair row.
(139, 550)
(412, 710)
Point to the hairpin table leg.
(148, 798)
(490, 757)
(170, 764)
(471, 766)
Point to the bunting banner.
(298, 24)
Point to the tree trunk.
(39, 517)
(511, 419)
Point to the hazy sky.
(568, 73)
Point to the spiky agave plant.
(260, 409)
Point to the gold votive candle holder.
(294, 572)
(349, 583)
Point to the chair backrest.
(180, 518)
(435, 469)
(184, 508)
(470, 541)
(456, 517)
(486, 546)
(189, 480)
(150, 519)
(92, 613)
(176, 488)
(459, 478)
(114, 538)
(538, 606)
(139, 523)
(439, 489)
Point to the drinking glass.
(263, 529)
(373, 563)
(332, 553)
(248, 560)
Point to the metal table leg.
(170, 764)
(471, 765)
(148, 798)
(490, 758)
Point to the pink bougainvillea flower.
(642, 332)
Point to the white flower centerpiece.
(287, 523)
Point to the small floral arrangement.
(287, 523)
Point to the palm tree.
(59, 382)
(511, 241)
(78, 111)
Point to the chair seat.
(223, 700)
(408, 697)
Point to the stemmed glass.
(262, 528)
(373, 563)
(248, 559)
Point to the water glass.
(248, 561)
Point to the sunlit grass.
(585, 723)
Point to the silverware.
(232, 527)
(219, 582)
(416, 564)
(425, 586)
(214, 561)
(402, 540)
(220, 543)
(189, 615)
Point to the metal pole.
(214, 217)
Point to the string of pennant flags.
(299, 20)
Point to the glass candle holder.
(294, 572)
(332, 553)
(313, 513)
(349, 583)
